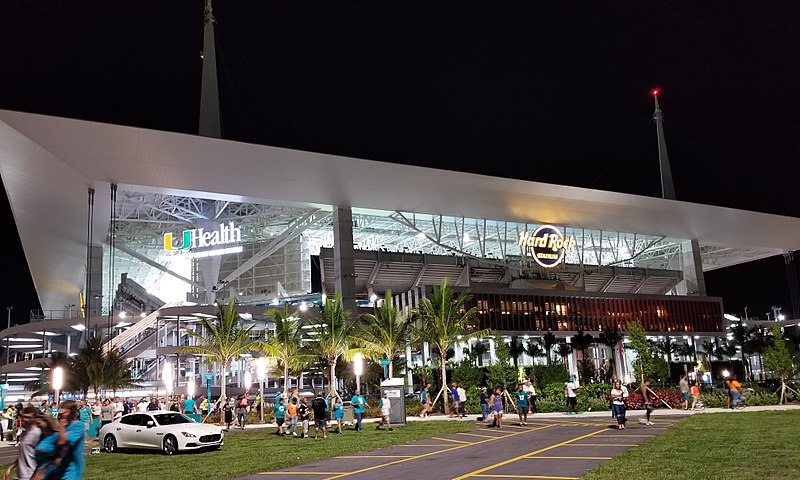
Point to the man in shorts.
(320, 408)
(570, 399)
(521, 397)
(684, 384)
(280, 416)
(386, 411)
(456, 401)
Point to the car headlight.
(188, 435)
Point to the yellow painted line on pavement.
(601, 445)
(301, 473)
(568, 458)
(375, 456)
(415, 457)
(498, 475)
(623, 435)
(451, 440)
(480, 471)
(480, 436)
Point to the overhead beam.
(154, 264)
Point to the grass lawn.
(718, 446)
(257, 451)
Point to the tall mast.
(667, 187)
(210, 124)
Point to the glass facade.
(530, 312)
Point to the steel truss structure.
(279, 242)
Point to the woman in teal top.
(47, 449)
(338, 413)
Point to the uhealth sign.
(202, 238)
(547, 245)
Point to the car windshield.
(172, 419)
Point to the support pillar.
(693, 282)
(343, 257)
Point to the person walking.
(484, 404)
(462, 398)
(227, 411)
(280, 415)
(291, 411)
(521, 397)
(496, 401)
(303, 414)
(424, 400)
(647, 398)
(454, 399)
(190, 405)
(694, 392)
(320, 409)
(531, 397)
(241, 411)
(106, 413)
(71, 441)
(684, 386)
(25, 464)
(618, 396)
(386, 411)
(47, 448)
(85, 413)
(570, 399)
(338, 413)
(359, 404)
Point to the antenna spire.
(210, 123)
(667, 187)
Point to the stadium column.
(343, 257)
(95, 300)
(694, 282)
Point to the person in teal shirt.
(338, 413)
(85, 415)
(359, 404)
(189, 405)
(280, 415)
(521, 397)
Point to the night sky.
(554, 93)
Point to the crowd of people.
(51, 443)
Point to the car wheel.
(110, 444)
(170, 445)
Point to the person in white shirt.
(386, 410)
(531, 397)
(618, 396)
(142, 405)
(118, 408)
(462, 397)
(570, 397)
(26, 456)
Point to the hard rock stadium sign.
(547, 245)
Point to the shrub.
(547, 374)
(549, 405)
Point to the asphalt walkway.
(548, 448)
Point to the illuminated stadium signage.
(202, 238)
(547, 245)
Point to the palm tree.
(548, 342)
(726, 349)
(563, 349)
(534, 350)
(666, 348)
(57, 359)
(515, 349)
(223, 339)
(286, 345)
(445, 318)
(117, 371)
(611, 339)
(87, 365)
(386, 332)
(335, 336)
(476, 351)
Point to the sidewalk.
(601, 414)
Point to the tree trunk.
(286, 380)
(333, 379)
(444, 383)
(391, 364)
(222, 382)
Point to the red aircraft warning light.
(655, 92)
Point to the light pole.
(358, 368)
(261, 372)
(167, 377)
(58, 383)
(8, 343)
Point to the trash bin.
(393, 389)
(349, 416)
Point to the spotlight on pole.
(58, 384)
(358, 368)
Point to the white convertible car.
(169, 432)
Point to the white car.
(169, 432)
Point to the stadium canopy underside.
(411, 225)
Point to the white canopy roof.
(47, 164)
